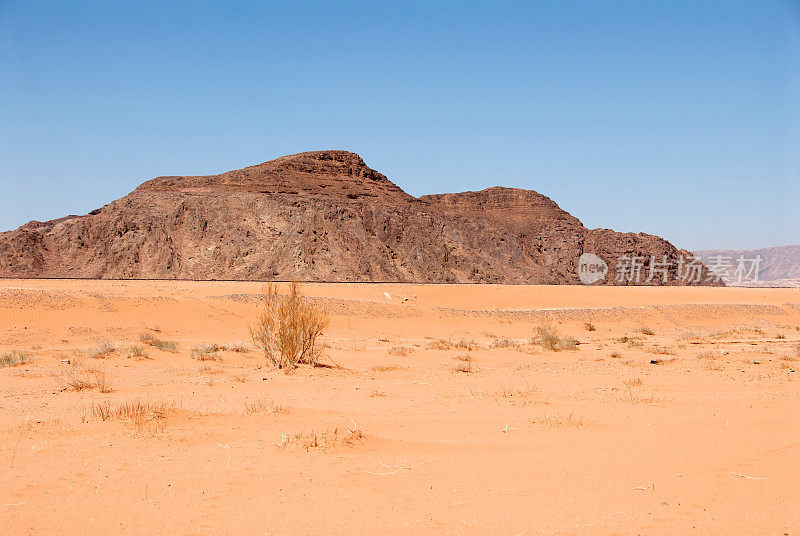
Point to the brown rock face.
(322, 216)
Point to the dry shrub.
(548, 337)
(630, 342)
(150, 340)
(138, 352)
(87, 380)
(557, 420)
(288, 327)
(205, 352)
(238, 347)
(519, 397)
(463, 366)
(400, 350)
(264, 407)
(14, 358)
(384, 368)
(504, 343)
(467, 344)
(589, 326)
(101, 350)
(440, 344)
(646, 331)
(146, 417)
(322, 441)
(661, 350)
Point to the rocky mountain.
(777, 266)
(325, 216)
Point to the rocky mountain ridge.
(322, 216)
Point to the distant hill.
(323, 216)
(779, 266)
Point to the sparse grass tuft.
(646, 331)
(504, 343)
(633, 382)
(630, 342)
(146, 417)
(661, 350)
(558, 420)
(384, 368)
(616, 355)
(150, 340)
(264, 407)
(519, 397)
(237, 347)
(548, 337)
(205, 352)
(463, 364)
(322, 441)
(101, 350)
(467, 344)
(138, 352)
(440, 344)
(87, 380)
(14, 358)
(400, 350)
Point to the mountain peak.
(332, 173)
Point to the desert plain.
(142, 407)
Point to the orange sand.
(590, 441)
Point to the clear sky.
(678, 118)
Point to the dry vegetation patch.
(145, 417)
(151, 340)
(237, 347)
(549, 339)
(101, 350)
(504, 343)
(138, 352)
(14, 358)
(440, 344)
(322, 441)
(86, 380)
(264, 407)
(557, 420)
(288, 328)
(206, 352)
(463, 363)
(384, 368)
(518, 397)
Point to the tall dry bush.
(288, 327)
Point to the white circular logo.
(591, 268)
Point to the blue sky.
(675, 118)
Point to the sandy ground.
(677, 413)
